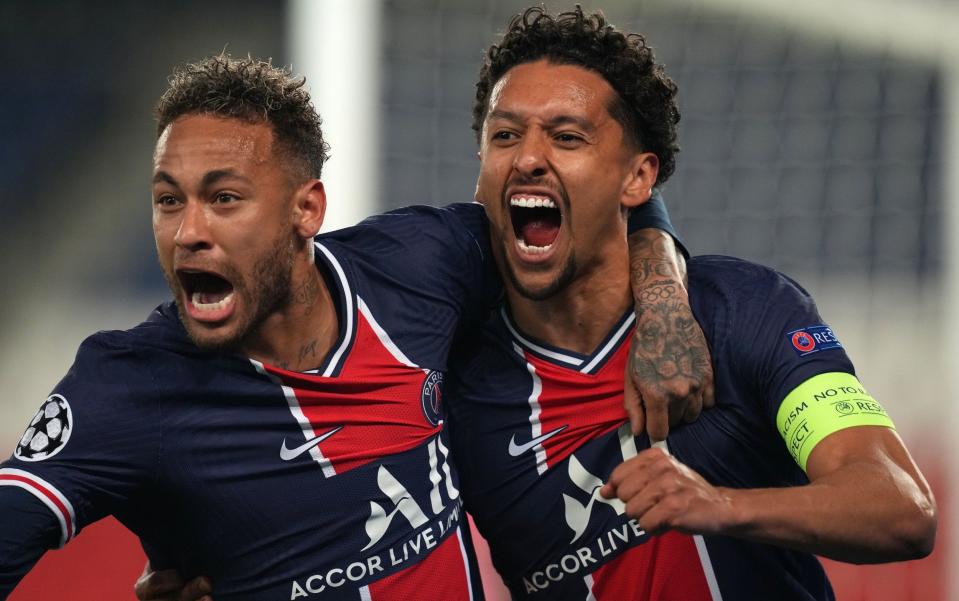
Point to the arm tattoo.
(668, 348)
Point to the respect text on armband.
(822, 405)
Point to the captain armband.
(822, 405)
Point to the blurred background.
(818, 137)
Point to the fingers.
(157, 586)
(196, 590)
(709, 391)
(654, 518)
(633, 404)
(608, 491)
(634, 473)
(693, 408)
(657, 418)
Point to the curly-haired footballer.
(576, 124)
(278, 426)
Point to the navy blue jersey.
(335, 483)
(538, 430)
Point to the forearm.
(669, 356)
(653, 256)
(27, 530)
(865, 512)
(657, 278)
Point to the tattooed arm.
(670, 375)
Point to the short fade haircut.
(253, 91)
(646, 98)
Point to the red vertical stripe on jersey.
(442, 575)
(664, 568)
(579, 401)
(377, 399)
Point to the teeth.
(532, 202)
(533, 250)
(220, 304)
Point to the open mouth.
(536, 222)
(208, 294)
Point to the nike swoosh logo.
(286, 453)
(518, 449)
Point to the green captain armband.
(822, 405)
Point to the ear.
(638, 187)
(309, 208)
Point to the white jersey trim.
(610, 345)
(536, 426)
(580, 364)
(348, 310)
(305, 426)
(588, 580)
(466, 561)
(385, 339)
(539, 349)
(43, 490)
(704, 559)
(707, 568)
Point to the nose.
(194, 230)
(530, 159)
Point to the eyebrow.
(166, 178)
(212, 177)
(551, 123)
(209, 178)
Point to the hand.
(168, 585)
(670, 375)
(663, 494)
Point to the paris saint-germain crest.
(432, 397)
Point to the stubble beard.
(546, 292)
(272, 277)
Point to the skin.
(548, 132)
(880, 507)
(550, 122)
(669, 357)
(225, 202)
(556, 155)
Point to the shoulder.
(456, 222)
(722, 272)
(121, 357)
(734, 283)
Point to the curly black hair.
(646, 98)
(253, 91)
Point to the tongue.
(540, 232)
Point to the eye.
(568, 139)
(225, 198)
(166, 201)
(504, 135)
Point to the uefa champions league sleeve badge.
(48, 432)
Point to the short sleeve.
(773, 332)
